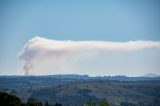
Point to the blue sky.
(107, 20)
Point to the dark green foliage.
(46, 104)
(7, 99)
(57, 104)
(88, 104)
(104, 103)
(33, 102)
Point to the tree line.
(7, 99)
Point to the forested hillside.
(83, 91)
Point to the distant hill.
(147, 77)
(79, 89)
(151, 75)
(117, 93)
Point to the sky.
(22, 21)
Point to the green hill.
(77, 92)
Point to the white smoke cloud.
(60, 54)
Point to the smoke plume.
(39, 50)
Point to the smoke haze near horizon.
(44, 56)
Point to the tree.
(7, 99)
(46, 104)
(104, 103)
(58, 104)
(88, 104)
(33, 102)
